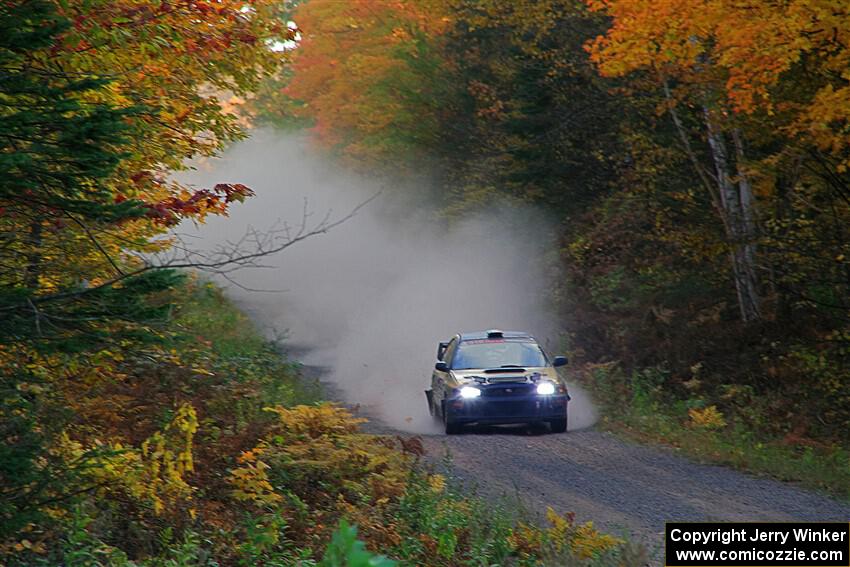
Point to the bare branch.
(222, 261)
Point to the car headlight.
(469, 392)
(546, 388)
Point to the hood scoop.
(505, 379)
(500, 375)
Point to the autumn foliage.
(751, 47)
(353, 66)
(694, 153)
(143, 420)
(101, 101)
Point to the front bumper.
(506, 409)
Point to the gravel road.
(625, 488)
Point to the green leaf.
(345, 550)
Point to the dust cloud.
(369, 300)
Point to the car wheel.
(452, 428)
(558, 425)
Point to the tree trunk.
(737, 209)
(749, 230)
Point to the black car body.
(496, 377)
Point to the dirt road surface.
(624, 487)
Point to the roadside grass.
(242, 353)
(635, 407)
(206, 312)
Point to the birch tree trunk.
(749, 232)
(737, 207)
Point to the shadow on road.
(525, 430)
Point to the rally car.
(497, 377)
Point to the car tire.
(451, 427)
(558, 425)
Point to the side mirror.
(441, 366)
(441, 350)
(559, 361)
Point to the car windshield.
(494, 353)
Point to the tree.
(533, 120)
(98, 101)
(371, 77)
(736, 62)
